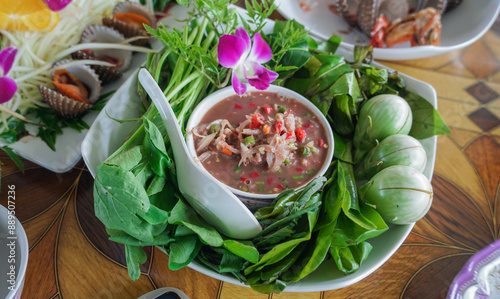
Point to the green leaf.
(243, 249)
(427, 121)
(124, 238)
(14, 157)
(154, 149)
(126, 160)
(185, 215)
(156, 186)
(349, 259)
(117, 199)
(183, 251)
(331, 45)
(134, 256)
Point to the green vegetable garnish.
(286, 161)
(314, 150)
(214, 128)
(298, 177)
(311, 172)
(248, 140)
(237, 169)
(304, 150)
(282, 109)
(259, 183)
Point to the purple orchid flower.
(8, 87)
(57, 5)
(238, 53)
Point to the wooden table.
(70, 256)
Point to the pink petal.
(243, 34)
(7, 89)
(261, 76)
(57, 5)
(7, 57)
(238, 87)
(261, 52)
(230, 50)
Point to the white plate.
(461, 27)
(68, 145)
(106, 135)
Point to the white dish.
(461, 27)
(106, 135)
(14, 253)
(68, 145)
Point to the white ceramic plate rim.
(290, 9)
(97, 146)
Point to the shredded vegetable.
(38, 51)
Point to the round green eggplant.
(392, 151)
(401, 194)
(380, 117)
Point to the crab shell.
(65, 105)
(103, 34)
(364, 13)
(106, 73)
(126, 29)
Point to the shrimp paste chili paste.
(261, 142)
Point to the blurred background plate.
(461, 27)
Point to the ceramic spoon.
(209, 197)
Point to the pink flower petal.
(7, 57)
(231, 49)
(261, 76)
(57, 5)
(243, 34)
(7, 89)
(238, 87)
(261, 52)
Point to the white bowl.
(14, 251)
(461, 27)
(218, 96)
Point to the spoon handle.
(173, 129)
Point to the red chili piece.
(301, 134)
(321, 143)
(281, 186)
(268, 109)
(254, 175)
(270, 181)
(257, 121)
(252, 104)
(238, 106)
(243, 179)
(278, 126)
(289, 135)
(299, 169)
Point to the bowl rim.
(222, 94)
(23, 245)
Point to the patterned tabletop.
(70, 256)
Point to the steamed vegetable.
(393, 150)
(381, 116)
(401, 194)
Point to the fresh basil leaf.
(331, 45)
(340, 112)
(427, 121)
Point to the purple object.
(480, 277)
(8, 86)
(237, 52)
(57, 5)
